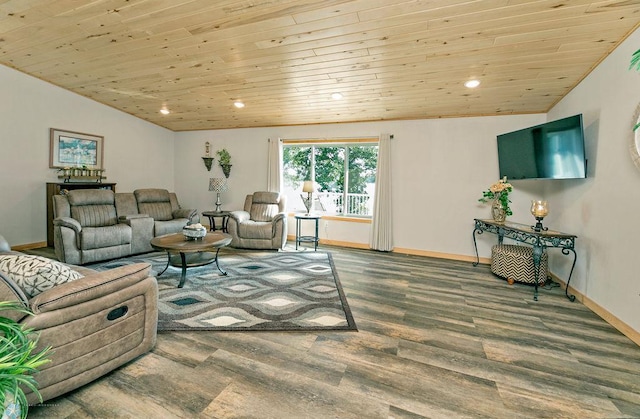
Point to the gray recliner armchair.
(262, 224)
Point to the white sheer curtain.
(381, 226)
(274, 169)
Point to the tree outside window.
(332, 166)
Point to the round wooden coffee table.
(185, 253)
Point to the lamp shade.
(307, 186)
(218, 184)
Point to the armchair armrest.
(280, 216)
(89, 288)
(68, 222)
(240, 216)
(141, 231)
(184, 213)
(125, 218)
(10, 291)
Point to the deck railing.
(357, 203)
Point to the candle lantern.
(539, 209)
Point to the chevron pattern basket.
(516, 262)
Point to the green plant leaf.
(635, 61)
(224, 157)
(18, 362)
(502, 197)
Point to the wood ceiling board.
(331, 11)
(542, 12)
(391, 59)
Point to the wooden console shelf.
(81, 179)
(57, 189)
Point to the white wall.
(136, 153)
(440, 168)
(603, 211)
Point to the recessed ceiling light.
(336, 96)
(238, 104)
(165, 111)
(472, 84)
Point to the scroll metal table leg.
(218, 265)
(183, 259)
(565, 251)
(167, 265)
(475, 245)
(537, 257)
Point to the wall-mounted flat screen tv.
(554, 150)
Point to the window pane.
(331, 166)
(362, 179)
(330, 177)
(296, 169)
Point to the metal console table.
(538, 239)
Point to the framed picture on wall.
(75, 149)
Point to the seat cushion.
(151, 195)
(266, 198)
(255, 230)
(99, 237)
(154, 202)
(159, 211)
(79, 197)
(93, 207)
(264, 206)
(263, 212)
(35, 274)
(94, 215)
(169, 227)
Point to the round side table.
(212, 215)
(307, 239)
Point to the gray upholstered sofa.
(93, 324)
(262, 224)
(91, 225)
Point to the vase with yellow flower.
(498, 195)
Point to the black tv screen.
(554, 150)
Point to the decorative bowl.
(194, 231)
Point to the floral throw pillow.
(35, 274)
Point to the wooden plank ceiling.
(284, 58)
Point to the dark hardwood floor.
(436, 339)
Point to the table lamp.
(307, 187)
(218, 185)
(539, 209)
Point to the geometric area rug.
(262, 291)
